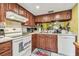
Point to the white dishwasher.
(65, 45)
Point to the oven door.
(17, 47)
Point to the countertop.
(69, 34)
(4, 39)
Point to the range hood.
(14, 16)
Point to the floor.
(41, 52)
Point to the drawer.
(7, 53)
(5, 46)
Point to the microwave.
(28, 29)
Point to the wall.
(74, 21)
(46, 25)
(78, 21)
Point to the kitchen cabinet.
(41, 41)
(34, 37)
(61, 16)
(51, 17)
(38, 19)
(1, 13)
(45, 41)
(46, 18)
(17, 9)
(32, 21)
(38, 41)
(77, 51)
(3, 9)
(30, 17)
(7, 53)
(51, 43)
(7, 7)
(76, 44)
(43, 18)
(22, 11)
(6, 48)
(13, 7)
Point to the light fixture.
(37, 7)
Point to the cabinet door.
(42, 41)
(34, 38)
(43, 18)
(6, 53)
(47, 43)
(77, 51)
(63, 15)
(13, 7)
(38, 41)
(3, 9)
(30, 19)
(22, 11)
(5, 46)
(39, 19)
(46, 18)
(51, 43)
(66, 15)
(28, 16)
(52, 17)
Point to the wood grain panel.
(5, 47)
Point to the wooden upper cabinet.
(64, 15)
(51, 17)
(42, 18)
(38, 19)
(30, 19)
(67, 15)
(13, 7)
(22, 11)
(46, 18)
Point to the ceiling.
(43, 8)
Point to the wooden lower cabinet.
(77, 51)
(51, 42)
(6, 53)
(45, 41)
(34, 38)
(41, 41)
(6, 48)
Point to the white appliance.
(12, 28)
(13, 16)
(11, 32)
(22, 46)
(65, 45)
